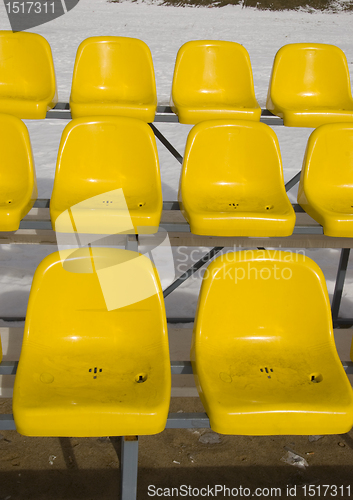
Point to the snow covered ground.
(165, 29)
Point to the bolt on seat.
(326, 182)
(310, 85)
(232, 181)
(113, 75)
(18, 183)
(107, 178)
(213, 80)
(263, 351)
(95, 356)
(27, 76)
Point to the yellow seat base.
(26, 109)
(325, 189)
(63, 398)
(263, 352)
(143, 112)
(272, 393)
(315, 117)
(249, 223)
(190, 116)
(87, 368)
(18, 184)
(232, 181)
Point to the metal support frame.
(132, 242)
(337, 294)
(294, 180)
(166, 143)
(192, 270)
(129, 467)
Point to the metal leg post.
(341, 276)
(132, 242)
(128, 467)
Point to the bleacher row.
(309, 85)
(109, 166)
(95, 356)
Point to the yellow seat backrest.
(308, 76)
(18, 184)
(263, 351)
(95, 328)
(104, 154)
(263, 296)
(229, 166)
(327, 174)
(209, 72)
(213, 80)
(113, 75)
(27, 76)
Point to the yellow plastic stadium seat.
(310, 85)
(27, 76)
(107, 155)
(213, 80)
(18, 184)
(263, 351)
(114, 75)
(326, 182)
(232, 181)
(85, 370)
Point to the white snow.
(165, 29)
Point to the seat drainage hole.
(267, 370)
(269, 207)
(95, 371)
(142, 204)
(234, 205)
(107, 202)
(316, 378)
(140, 378)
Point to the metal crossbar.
(164, 114)
(294, 180)
(166, 143)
